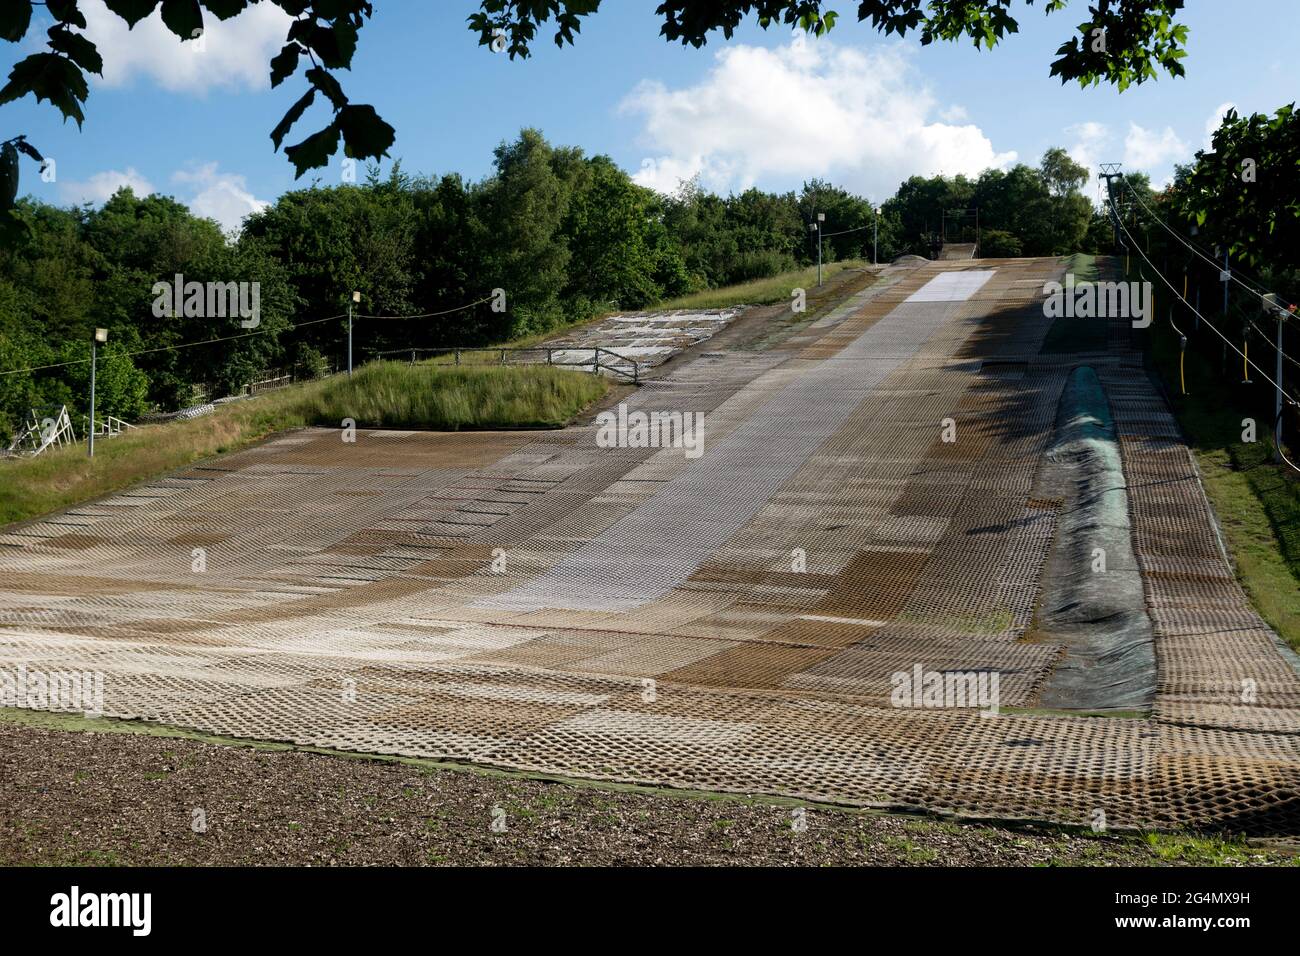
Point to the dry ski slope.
(647, 622)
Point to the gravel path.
(76, 798)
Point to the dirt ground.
(118, 799)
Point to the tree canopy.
(1123, 42)
(568, 236)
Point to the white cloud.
(235, 53)
(208, 192)
(220, 196)
(1091, 140)
(1215, 121)
(806, 109)
(100, 187)
(1151, 150)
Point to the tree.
(1244, 191)
(921, 206)
(1000, 244)
(1124, 42)
(1061, 174)
(121, 389)
(613, 255)
(844, 211)
(1070, 211)
(324, 32)
(527, 254)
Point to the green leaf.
(225, 9)
(326, 83)
(183, 17)
(315, 150)
(334, 46)
(332, 9)
(48, 76)
(365, 134)
(295, 113)
(15, 18)
(28, 149)
(76, 46)
(284, 63)
(8, 177)
(132, 11)
(65, 11)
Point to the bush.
(308, 363)
(759, 264)
(997, 244)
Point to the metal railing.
(106, 426)
(561, 356)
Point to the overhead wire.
(244, 335)
(1288, 398)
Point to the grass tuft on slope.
(379, 395)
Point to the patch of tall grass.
(387, 395)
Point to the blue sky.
(763, 108)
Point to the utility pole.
(1273, 307)
(101, 335)
(1225, 277)
(1110, 172)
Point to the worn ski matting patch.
(859, 526)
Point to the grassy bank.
(389, 395)
(760, 291)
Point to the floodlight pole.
(875, 238)
(91, 431)
(356, 297)
(817, 228)
(101, 335)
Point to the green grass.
(761, 291)
(1069, 335)
(988, 622)
(397, 395)
(1083, 265)
(387, 394)
(1193, 850)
